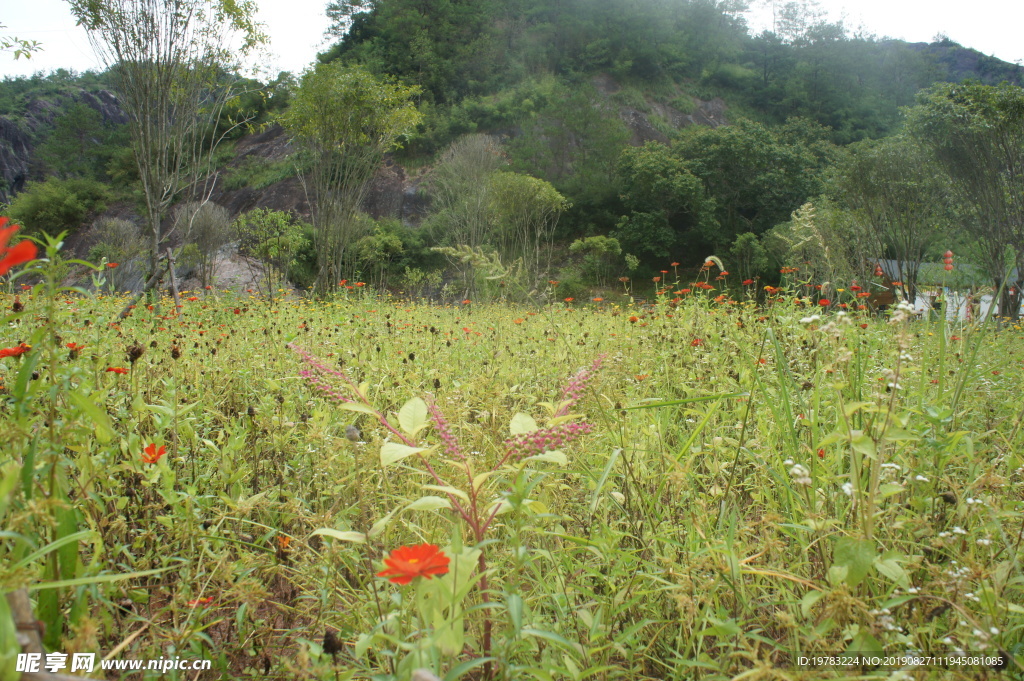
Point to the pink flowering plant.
(476, 487)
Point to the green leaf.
(429, 503)
(358, 406)
(888, 565)
(889, 489)
(379, 526)
(856, 555)
(354, 537)
(865, 445)
(551, 457)
(412, 417)
(522, 424)
(448, 489)
(808, 601)
(88, 406)
(393, 452)
(9, 647)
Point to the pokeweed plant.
(476, 489)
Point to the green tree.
(667, 203)
(898, 197)
(345, 120)
(166, 59)
(56, 205)
(976, 133)
(276, 239)
(525, 211)
(756, 175)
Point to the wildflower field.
(710, 487)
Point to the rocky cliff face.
(20, 135)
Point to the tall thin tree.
(170, 60)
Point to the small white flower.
(984, 542)
(920, 478)
(848, 489)
(959, 530)
(810, 320)
(994, 631)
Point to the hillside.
(564, 90)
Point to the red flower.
(200, 601)
(111, 265)
(342, 282)
(634, 319)
(360, 283)
(598, 299)
(467, 301)
(117, 370)
(9, 257)
(824, 302)
(408, 562)
(152, 454)
(697, 341)
(854, 287)
(17, 351)
(675, 264)
(657, 279)
(748, 282)
(685, 290)
(569, 300)
(723, 273)
(75, 347)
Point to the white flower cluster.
(799, 473)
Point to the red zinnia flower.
(657, 279)
(152, 454)
(675, 264)
(824, 302)
(117, 370)
(697, 341)
(634, 319)
(748, 282)
(408, 562)
(9, 257)
(111, 265)
(569, 300)
(854, 287)
(360, 283)
(467, 301)
(17, 351)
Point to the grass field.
(706, 488)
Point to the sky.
(296, 29)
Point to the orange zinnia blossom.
(17, 351)
(9, 257)
(117, 370)
(408, 562)
(152, 454)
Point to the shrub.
(56, 205)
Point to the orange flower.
(17, 351)
(466, 301)
(657, 279)
(152, 454)
(111, 265)
(748, 282)
(675, 264)
(360, 283)
(9, 257)
(117, 370)
(408, 562)
(697, 341)
(569, 300)
(634, 319)
(597, 300)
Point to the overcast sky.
(296, 29)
